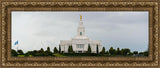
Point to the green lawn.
(58, 55)
(21, 55)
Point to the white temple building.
(80, 42)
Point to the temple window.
(80, 33)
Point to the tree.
(48, 49)
(55, 50)
(97, 49)
(48, 52)
(35, 53)
(107, 52)
(141, 53)
(41, 52)
(59, 49)
(146, 53)
(135, 52)
(20, 52)
(70, 49)
(122, 51)
(130, 53)
(13, 52)
(89, 49)
(103, 50)
(112, 51)
(126, 51)
(118, 51)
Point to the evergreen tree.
(103, 50)
(89, 48)
(97, 49)
(48, 49)
(13, 52)
(48, 52)
(59, 49)
(107, 52)
(55, 50)
(122, 51)
(118, 51)
(112, 51)
(69, 49)
(41, 52)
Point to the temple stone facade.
(80, 42)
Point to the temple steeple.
(80, 17)
(81, 29)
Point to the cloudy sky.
(35, 30)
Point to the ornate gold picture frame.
(152, 61)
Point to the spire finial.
(80, 17)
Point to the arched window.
(80, 33)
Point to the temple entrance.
(79, 51)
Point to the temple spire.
(80, 17)
(81, 28)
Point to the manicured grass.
(21, 55)
(58, 55)
(30, 55)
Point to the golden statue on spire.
(80, 17)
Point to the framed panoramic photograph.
(65, 34)
(82, 33)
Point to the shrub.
(20, 52)
(13, 52)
